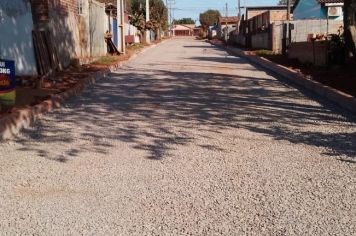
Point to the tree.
(158, 16)
(349, 8)
(184, 21)
(137, 17)
(209, 18)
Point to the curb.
(340, 98)
(12, 124)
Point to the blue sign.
(7, 76)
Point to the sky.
(192, 8)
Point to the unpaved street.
(184, 140)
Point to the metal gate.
(114, 30)
(97, 28)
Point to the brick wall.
(278, 15)
(64, 6)
(64, 23)
(39, 11)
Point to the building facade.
(318, 9)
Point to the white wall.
(16, 35)
(98, 25)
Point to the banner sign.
(7, 76)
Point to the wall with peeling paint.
(16, 35)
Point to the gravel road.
(184, 140)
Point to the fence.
(98, 25)
(303, 28)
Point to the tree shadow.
(164, 110)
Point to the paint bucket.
(7, 84)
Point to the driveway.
(184, 140)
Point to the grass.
(106, 60)
(136, 46)
(263, 52)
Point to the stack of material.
(45, 52)
(112, 49)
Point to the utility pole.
(226, 15)
(288, 10)
(148, 32)
(121, 24)
(288, 22)
(168, 16)
(171, 2)
(239, 5)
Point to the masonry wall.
(98, 25)
(278, 15)
(64, 24)
(309, 52)
(302, 28)
(261, 41)
(16, 35)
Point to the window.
(80, 7)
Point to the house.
(183, 30)
(318, 9)
(212, 31)
(132, 34)
(198, 30)
(314, 21)
(278, 12)
(261, 27)
(227, 25)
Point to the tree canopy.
(158, 15)
(184, 21)
(209, 18)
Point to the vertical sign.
(7, 83)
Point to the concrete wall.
(261, 41)
(77, 35)
(131, 30)
(64, 24)
(305, 51)
(98, 22)
(302, 28)
(278, 15)
(16, 35)
(277, 36)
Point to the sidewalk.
(342, 99)
(31, 103)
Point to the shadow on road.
(157, 112)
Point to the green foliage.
(158, 15)
(138, 14)
(184, 21)
(263, 52)
(209, 18)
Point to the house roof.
(281, 7)
(231, 19)
(183, 27)
(330, 1)
(319, 1)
